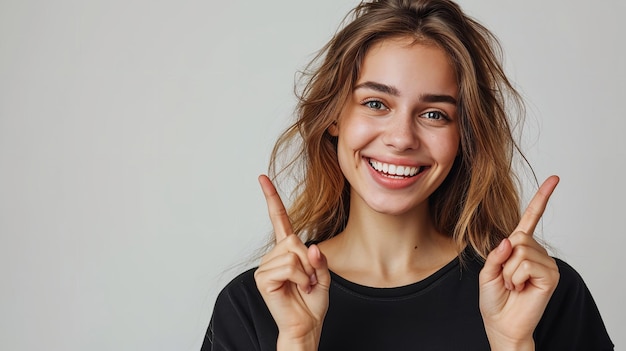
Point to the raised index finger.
(537, 206)
(276, 209)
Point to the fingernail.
(501, 246)
(318, 253)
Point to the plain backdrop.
(132, 134)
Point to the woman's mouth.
(395, 171)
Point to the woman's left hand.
(518, 280)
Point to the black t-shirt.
(438, 313)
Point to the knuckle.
(526, 265)
(522, 235)
(259, 279)
(522, 250)
(553, 264)
(293, 240)
(557, 277)
(290, 270)
(516, 237)
(292, 258)
(276, 206)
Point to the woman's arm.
(518, 280)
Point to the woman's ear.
(333, 129)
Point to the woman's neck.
(384, 250)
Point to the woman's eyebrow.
(391, 90)
(383, 88)
(438, 98)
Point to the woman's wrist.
(308, 342)
(507, 344)
(518, 347)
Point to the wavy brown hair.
(478, 203)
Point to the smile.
(392, 170)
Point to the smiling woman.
(406, 231)
(399, 115)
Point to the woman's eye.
(375, 105)
(436, 115)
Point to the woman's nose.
(401, 132)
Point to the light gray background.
(132, 134)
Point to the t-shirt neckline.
(407, 291)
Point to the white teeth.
(391, 169)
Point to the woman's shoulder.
(240, 320)
(571, 287)
(572, 314)
(569, 276)
(240, 284)
(240, 294)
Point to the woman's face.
(398, 132)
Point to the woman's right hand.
(293, 280)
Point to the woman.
(406, 231)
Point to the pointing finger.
(276, 209)
(537, 206)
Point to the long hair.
(478, 203)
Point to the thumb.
(319, 263)
(496, 258)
